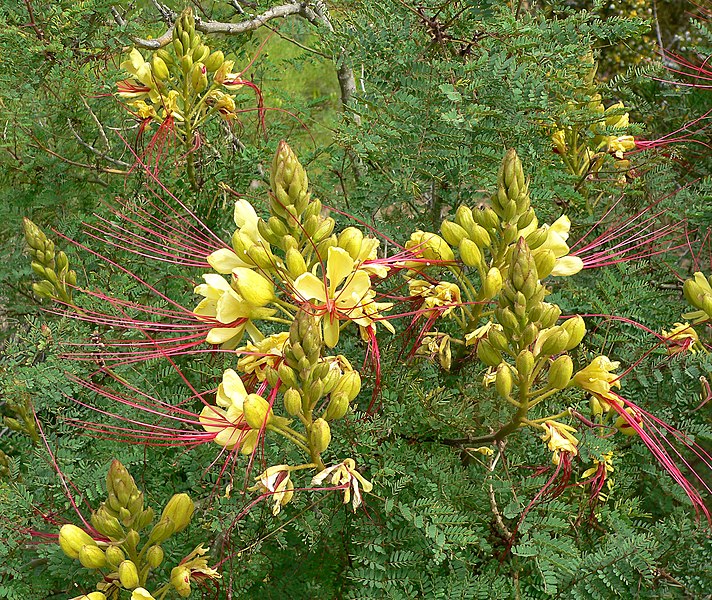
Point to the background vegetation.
(441, 90)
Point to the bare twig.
(499, 522)
(99, 153)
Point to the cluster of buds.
(23, 419)
(283, 253)
(51, 266)
(113, 544)
(184, 81)
(588, 132)
(486, 240)
(698, 292)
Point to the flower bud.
(179, 510)
(319, 436)
(107, 524)
(453, 233)
(498, 340)
(487, 353)
(292, 402)
(597, 409)
(349, 384)
(180, 580)
(560, 372)
(469, 252)
(552, 341)
(256, 289)
(337, 408)
(114, 556)
(92, 557)
(72, 539)
(537, 237)
(525, 363)
(295, 263)
(128, 575)
(576, 328)
(492, 284)
(503, 380)
(257, 411)
(287, 375)
(214, 60)
(154, 556)
(350, 239)
(159, 68)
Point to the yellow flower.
(262, 354)
(141, 594)
(353, 301)
(619, 145)
(143, 83)
(559, 141)
(225, 260)
(559, 439)
(345, 474)
(557, 234)
(222, 303)
(276, 481)
(474, 336)
(597, 378)
(443, 294)
(682, 337)
(226, 420)
(191, 566)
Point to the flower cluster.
(112, 545)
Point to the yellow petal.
(225, 260)
(231, 307)
(253, 287)
(567, 265)
(331, 330)
(231, 391)
(220, 335)
(310, 287)
(339, 266)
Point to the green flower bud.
(154, 556)
(159, 68)
(186, 64)
(72, 539)
(257, 411)
(177, 44)
(453, 233)
(529, 334)
(198, 77)
(106, 524)
(349, 384)
(498, 340)
(179, 510)
(287, 375)
(213, 62)
(525, 363)
(128, 575)
(337, 408)
(537, 237)
(162, 530)
(292, 402)
(469, 252)
(488, 354)
(576, 328)
(552, 341)
(92, 557)
(114, 556)
(503, 380)
(319, 436)
(288, 179)
(560, 372)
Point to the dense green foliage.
(441, 91)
